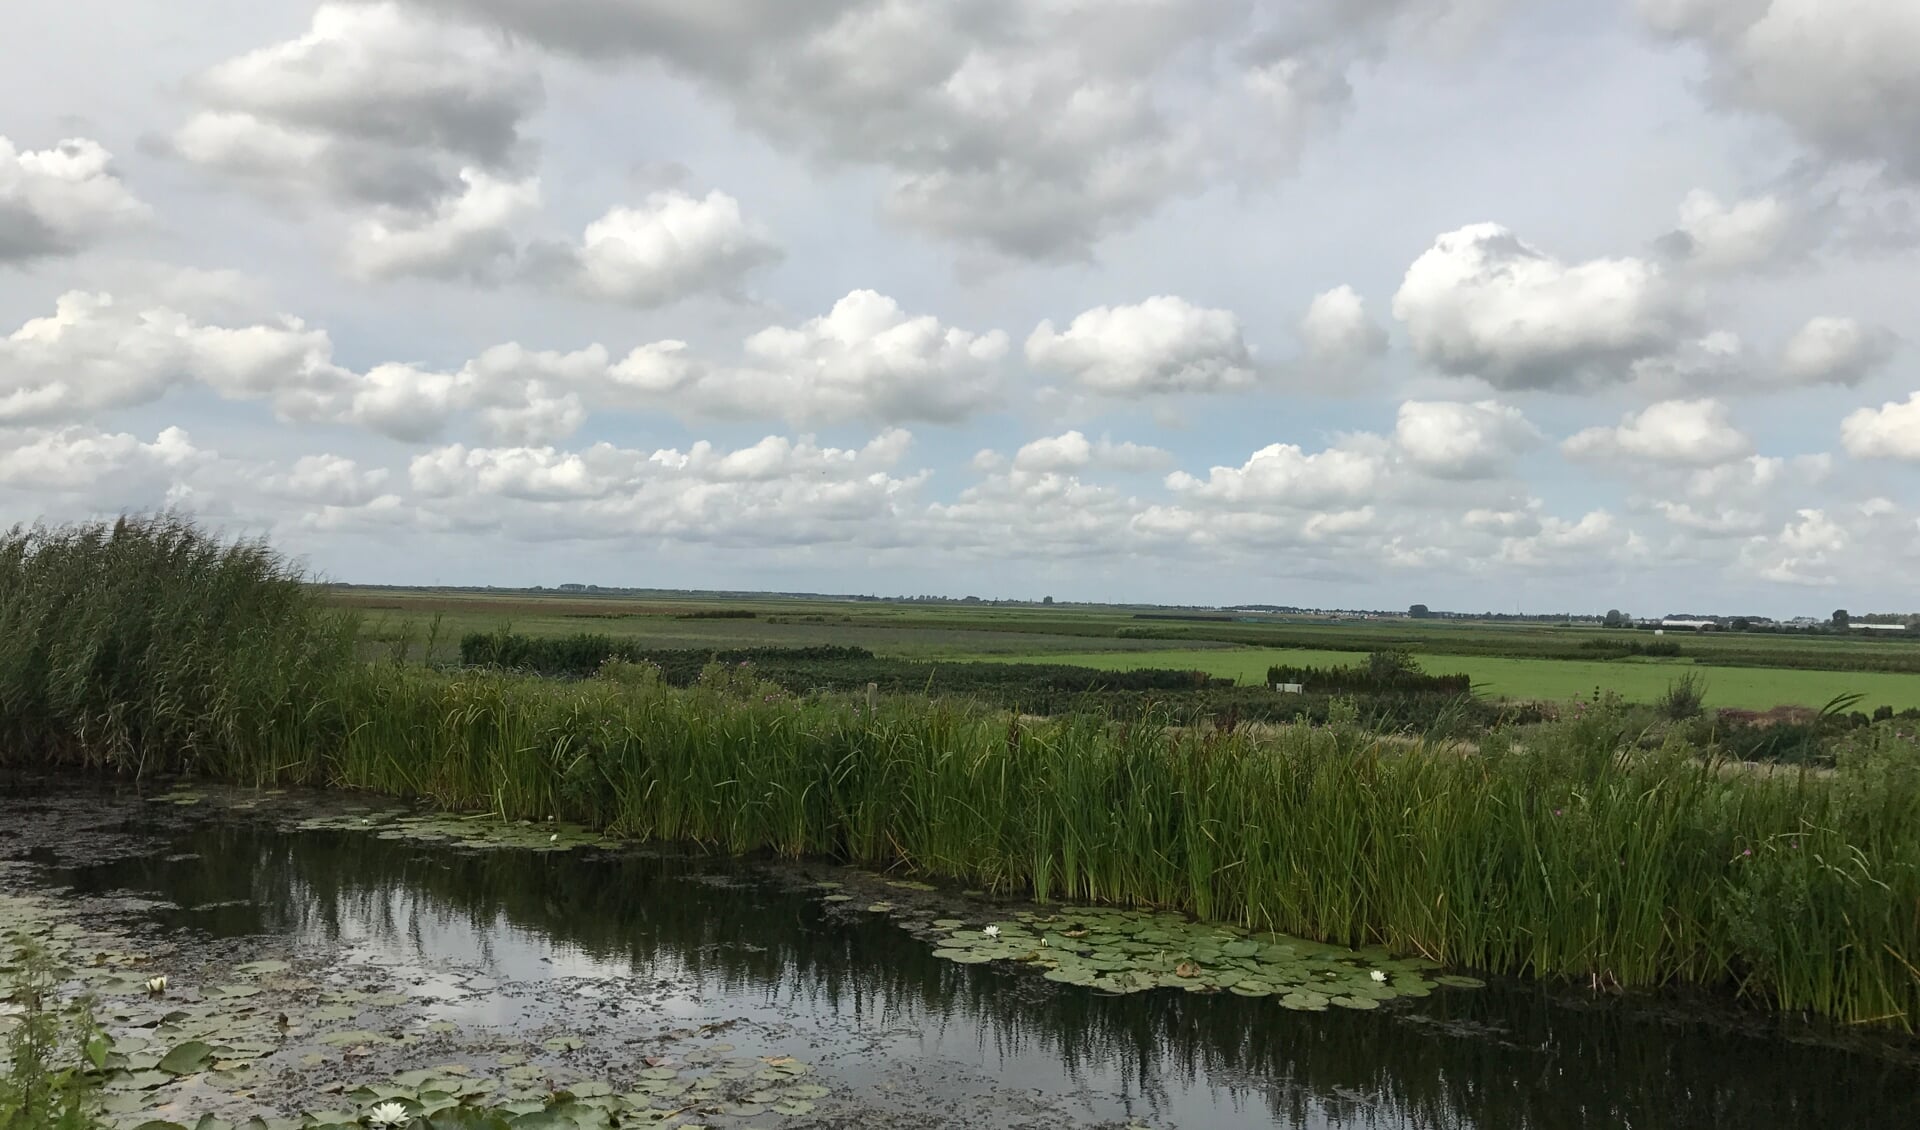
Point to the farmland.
(1754, 671)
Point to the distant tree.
(1046, 600)
(1841, 620)
(1616, 618)
(1741, 624)
(1419, 612)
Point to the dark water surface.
(719, 943)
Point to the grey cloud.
(374, 103)
(1034, 129)
(1840, 76)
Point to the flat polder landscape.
(960, 565)
(283, 854)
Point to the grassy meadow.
(1636, 680)
(1523, 662)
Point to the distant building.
(1881, 627)
(1696, 625)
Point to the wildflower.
(991, 931)
(387, 1114)
(157, 985)
(1379, 975)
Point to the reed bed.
(1576, 854)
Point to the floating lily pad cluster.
(481, 831)
(1120, 951)
(191, 1046)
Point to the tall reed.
(1574, 854)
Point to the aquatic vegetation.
(110, 1057)
(1120, 951)
(1574, 854)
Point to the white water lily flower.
(158, 984)
(554, 839)
(1379, 976)
(387, 1114)
(991, 931)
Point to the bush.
(1686, 697)
(1384, 672)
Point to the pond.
(735, 994)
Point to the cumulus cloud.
(1484, 303)
(58, 201)
(1034, 129)
(93, 354)
(1284, 475)
(375, 103)
(1452, 440)
(777, 492)
(469, 236)
(1840, 351)
(1164, 345)
(1073, 451)
(1838, 73)
(1338, 332)
(1806, 551)
(1712, 361)
(1595, 537)
(1730, 236)
(80, 458)
(330, 480)
(1698, 433)
(670, 246)
(1891, 431)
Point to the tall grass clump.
(147, 643)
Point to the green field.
(1752, 688)
(1527, 661)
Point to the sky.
(1509, 305)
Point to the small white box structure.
(1659, 631)
(1290, 688)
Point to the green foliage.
(1392, 671)
(1686, 697)
(45, 1084)
(147, 642)
(1574, 852)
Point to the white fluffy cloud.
(1731, 236)
(779, 491)
(1891, 431)
(1463, 441)
(1838, 73)
(374, 103)
(1841, 351)
(80, 459)
(468, 236)
(93, 354)
(1482, 302)
(1073, 451)
(1284, 475)
(1696, 433)
(1337, 330)
(330, 480)
(670, 246)
(60, 200)
(1164, 345)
